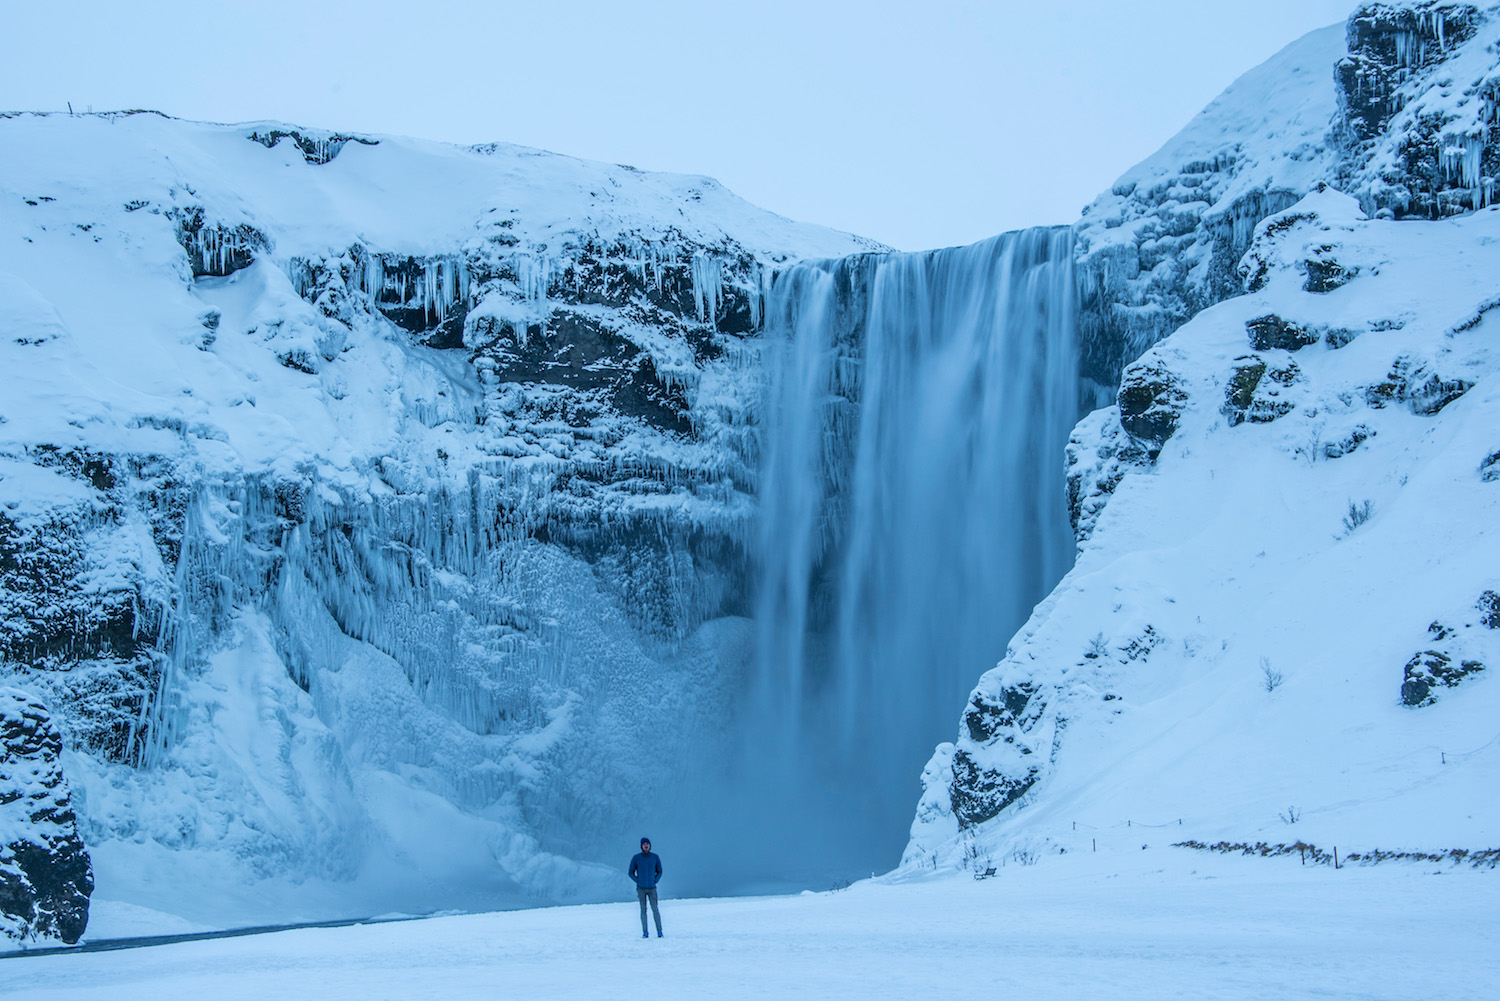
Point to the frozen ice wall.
(912, 512)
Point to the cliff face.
(1345, 374)
(361, 495)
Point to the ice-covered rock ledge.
(358, 495)
(1283, 620)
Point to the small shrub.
(1357, 515)
(1291, 816)
(1098, 647)
(1271, 678)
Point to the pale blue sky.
(919, 124)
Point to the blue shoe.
(658, 934)
(645, 935)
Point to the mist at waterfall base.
(916, 413)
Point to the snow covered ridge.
(1286, 605)
(1396, 107)
(356, 492)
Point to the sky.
(917, 124)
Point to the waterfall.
(912, 508)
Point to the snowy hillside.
(358, 494)
(1283, 623)
(1395, 107)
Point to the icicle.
(708, 286)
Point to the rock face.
(46, 876)
(417, 518)
(1417, 96)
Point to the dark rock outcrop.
(215, 250)
(1151, 401)
(1489, 609)
(1430, 670)
(1347, 442)
(982, 786)
(46, 876)
(979, 793)
(315, 148)
(1415, 142)
(1100, 455)
(1271, 332)
(1325, 275)
(1489, 469)
(1411, 382)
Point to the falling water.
(912, 511)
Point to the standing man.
(645, 869)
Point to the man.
(645, 869)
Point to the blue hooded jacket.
(645, 869)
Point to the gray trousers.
(645, 895)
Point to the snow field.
(1119, 924)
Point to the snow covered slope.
(1284, 620)
(358, 495)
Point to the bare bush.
(1271, 678)
(1357, 515)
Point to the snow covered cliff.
(371, 511)
(1282, 622)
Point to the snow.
(1232, 555)
(1122, 923)
(424, 713)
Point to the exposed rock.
(1489, 609)
(1348, 442)
(1489, 469)
(1339, 337)
(1151, 400)
(1327, 275)
(1432, 669)
(1434, 393)
(985, 717)
(1416, 141)
(1271, 332)
(1410, 382)
(213, 249)
(315, 148)
(1256, 390)
(1100, 454)
(979, 793)
(46, 875)
(1239, 392)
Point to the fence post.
(1095, 843)
(1302, 854)
(1335, 856)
